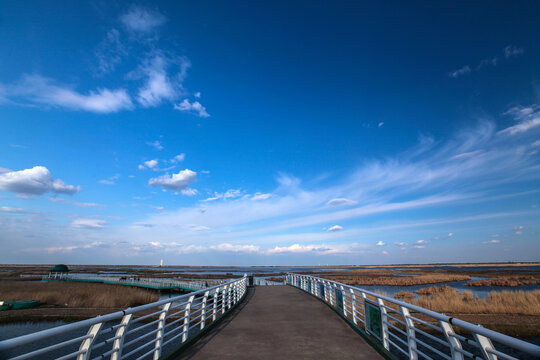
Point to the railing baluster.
(203, 309)
(411, 335)
(214, 305)
(161, 333)
(384, 325)
(86, 345)
(454, 343)
(485, 345)
(353, 307)
(187, 319)
(120, 335)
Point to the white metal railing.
(265, 282)
(138, 281)
(410, 330)
(135, 333)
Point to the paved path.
(281, 322)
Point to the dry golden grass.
(435, 290)
(404, 295)
(506, 281)
(450, 300)
(383, 278)
(76, 295)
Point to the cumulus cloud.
(192, 107)
(82, 223)
(151, 164)
(341, 201)
(174, 182)
(335, 228)
(381, 243)
(41, 90)
(492, 242)
(236, 248)
(35, 181)
(141, 20)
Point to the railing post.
(187, 320)
(203, 309)
(343, 300)
(120, 334)
(161, 330)
(411, 334)
(485, 345)
(353, 306)
(364, 299)
(452, 340)
(87, 343)
(214, 305)
(384, 325)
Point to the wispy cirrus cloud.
(142, 20)
(528, 117)
(508, 52)
(41, 90)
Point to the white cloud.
(235, 248)
(110, 181)
(155, 144)
(341, 201)
(419, 246)
(384, 252)
(175, 182)
(158, 208)
(260, 197)
(13, 210)
(88, 223)
(193, 107)
(159, 85)
(41, 90)
(151, 164)
(492, 242)
(140, 20)
(522, 127)
(178, 158)
(422, 242)
(381, 243)
(229, 194)
(35, 181)
(197, 94)
(189, 192)
(380, 124)
(335, 228)
(110, 52)
(511, 51)
(450, 234)
(518, 229)
(462, 71)
(140, 167)
(400, 243)
(76, 203)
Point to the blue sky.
(243, 133)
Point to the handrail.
(352, 302)
(201, 308)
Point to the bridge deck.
(281, 322)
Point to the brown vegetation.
(511, 281)
(449, 300)
(76, 295)
(384, 278)
(404, 295)
(435, 290)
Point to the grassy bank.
(395, 279)
(76, 295)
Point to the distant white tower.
(161, 263)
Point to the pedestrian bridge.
(307, 318)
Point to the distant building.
(58, 271)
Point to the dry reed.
(376, 279)
(76, 295)
(510, 281)
(449, 300)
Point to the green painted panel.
(373, 319)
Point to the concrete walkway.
(281, 322)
